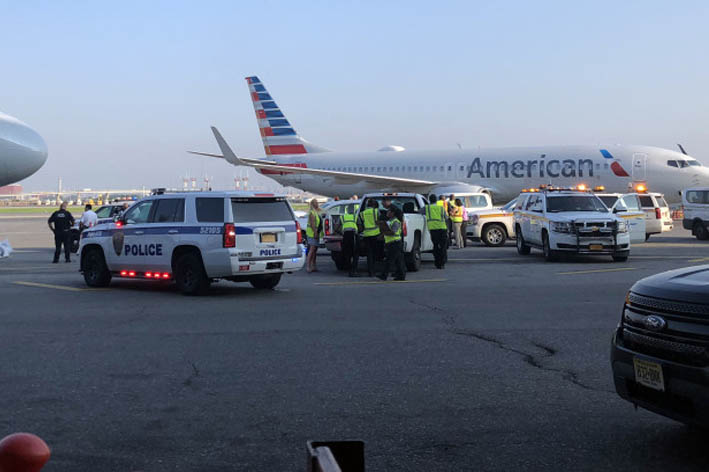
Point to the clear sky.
(120, 90)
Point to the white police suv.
(558, 221)
(194, 238)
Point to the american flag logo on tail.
(277, 134)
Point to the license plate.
(595, 247)
(268, 237)
(649, 374)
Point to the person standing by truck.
(436, 222)
(368, 224)
(350, 251)
(457, 219)
(312, 232)
(62, 222)
(393, 247)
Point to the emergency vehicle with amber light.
(565, 220)
(196, 238)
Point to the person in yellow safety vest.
(369, 226)
(457, 219)
(312, 232)
(444, 203)
(350, 252)
(436, 217)
(393, 247)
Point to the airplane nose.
(22, 149)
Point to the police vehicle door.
(129, 241)
(630, 210)
(537, 220)
(530, 219)
(163, 234)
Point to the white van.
(696, 211)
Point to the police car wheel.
(96, 274)
(190, 276)
(265, 282)
(494, 235)
(522, 248)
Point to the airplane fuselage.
(502, 171)
(22, 150)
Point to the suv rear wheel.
(96, 273)
(413, 259)
(522, 247)
(494, 235)
(265, 282)
(190, 276)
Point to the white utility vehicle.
(492, 226)
(194, 238)
(658, 217)
(569, 221)
(695, 202)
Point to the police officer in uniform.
(62, 222)
(436, 217)
(350, 251)
(368, 224)
(393, 247)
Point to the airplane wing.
(345, 177)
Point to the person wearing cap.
(393, 247)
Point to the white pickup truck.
(416, 236)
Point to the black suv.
(660, 350)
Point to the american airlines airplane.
(22, 150)
(501, 172)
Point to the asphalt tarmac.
(498, 362)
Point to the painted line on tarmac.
(50, 269)
(701, 259)
(56, 287)
(484, 259)
(379, 282)
(595, 271)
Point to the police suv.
(195, 238)
(569, 221)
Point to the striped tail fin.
(277, 134)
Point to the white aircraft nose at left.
(22, 150)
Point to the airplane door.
(639, 166)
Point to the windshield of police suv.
(405, 204)
(509, 206)
(575, 203)
(609, 200)
(249, 210)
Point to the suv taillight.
(658, 213)
(299, 233)
(403, 228)
(327, 226)
(229, 235)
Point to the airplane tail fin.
(277, 134)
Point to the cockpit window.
(672, 163)
(683, 163)
(694, 163)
